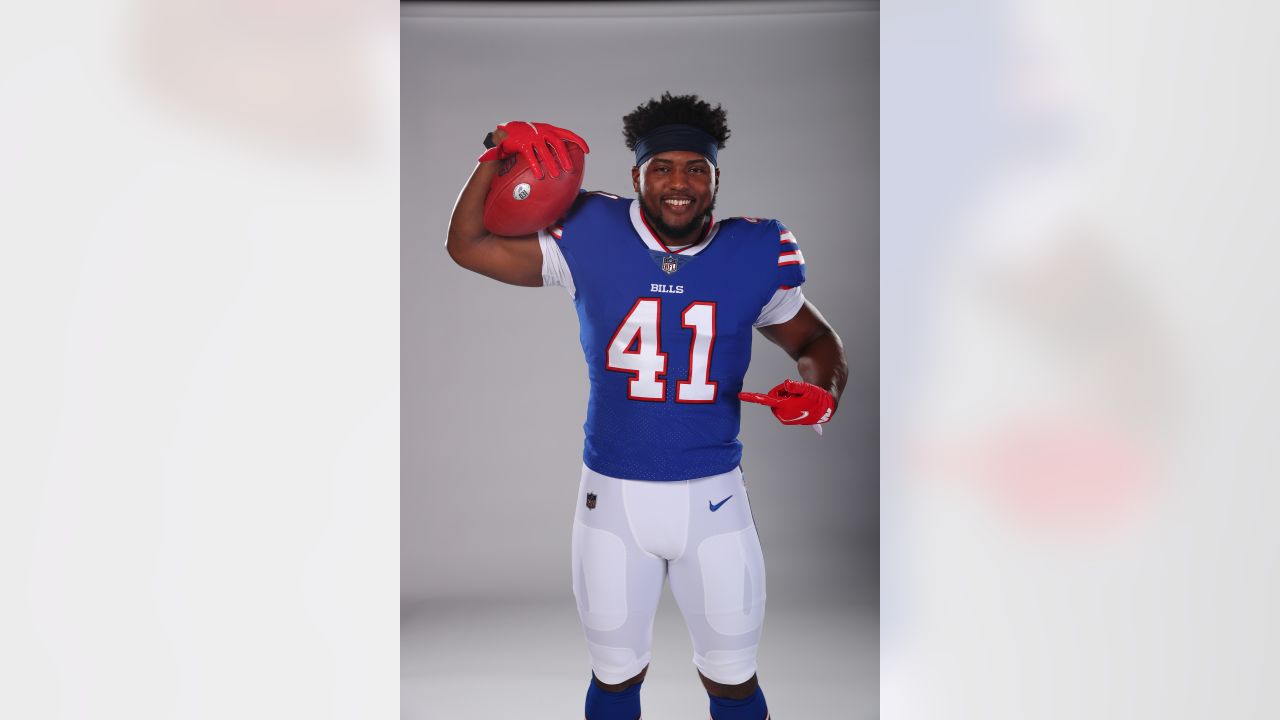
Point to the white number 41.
(636, 348)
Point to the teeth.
(678, 202)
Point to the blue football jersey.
(667, 334)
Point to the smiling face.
(677, 191)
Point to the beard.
(677, 231)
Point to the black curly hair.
(675, 109)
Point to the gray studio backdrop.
(493, 380)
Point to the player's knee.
(617, 665)
(726, 667)
(740, 691)
(624, 685)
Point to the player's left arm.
(809, 339)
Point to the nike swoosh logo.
(716, 506)
(802, 416)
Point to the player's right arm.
(514, 260)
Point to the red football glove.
(536, 141)
(796, 403)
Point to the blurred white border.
(199, 303)
(1077, 251)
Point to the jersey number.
(636, 348)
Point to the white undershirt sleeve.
(781, 307)
(555, 269)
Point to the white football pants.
(629, 535)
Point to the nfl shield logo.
(591, 501)
(669, 265)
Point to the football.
(520, 204)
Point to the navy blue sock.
(605, 705)
(752, 708)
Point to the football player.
(667, 297)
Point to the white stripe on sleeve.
(555, 269)
(781, 307)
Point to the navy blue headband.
(675, 137)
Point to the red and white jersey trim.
(789, 252)
(653, 243)
(791, 257)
